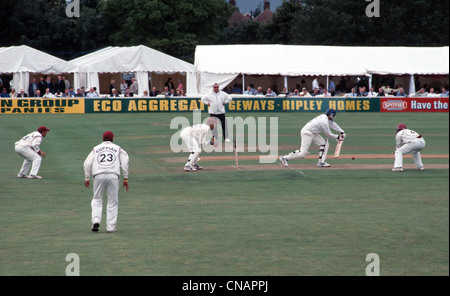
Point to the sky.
(251, 5)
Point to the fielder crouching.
(194, 137)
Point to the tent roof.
(295, 60)
(130, 59)
(23, 58)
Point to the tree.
(175, 27)
(335, 22)
(44, 25)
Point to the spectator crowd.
(48, 87)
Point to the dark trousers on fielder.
(223, 123)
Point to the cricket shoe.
(197, 167)
(34, 177)
(95, 227)
(112, 231)
(22, 176)
(323, 165)
(398, 169)
(284, 161)
(189, 169)
(421, 168)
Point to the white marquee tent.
(137, 59)
(23, 60)
(223, 63)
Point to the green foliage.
(44, 25)
(172, 26)
(176, 27)
(335, 22)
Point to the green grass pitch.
(283, 222)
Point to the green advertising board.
(120, 105)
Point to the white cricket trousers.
(32, 160)
(307, 138)
(108, 183)
(413, 147)
(193, 146)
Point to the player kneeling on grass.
(28, 148)
(310, 133)
(104, 164)
(194, 137)
(407, 141)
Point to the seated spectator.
(66, 94)
(128, 93)
(236, 90)
(166, 91)
(352, 93)
(284, 92)
(173, 93)
(421, 93)
(362, 92)
(79, 93)
(92, 93)
(432, 93)
(13, 93)
(48, 94)
(401, 92)
(305, 93)
(248, 91)
(114, 93)
(270, 93)
(444, 92)
(372, 93)
(145, 94)
(326, 93)
(5, 93)
(182, 93)
(259, 91)
(387, 90)
(37, 94)
(381, 92)
(22, 94)
(153, 92)
(295, 93)
(71, 92)
(316, 92)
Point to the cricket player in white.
(310, 133)
(194, 137)
(28, 148)
(104, 164)
(407, 141)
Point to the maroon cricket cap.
(108, 135)
(42, 129)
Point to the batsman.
(310, 133)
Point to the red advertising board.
(400, 104)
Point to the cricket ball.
(353, 158)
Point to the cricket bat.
(337, 152)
